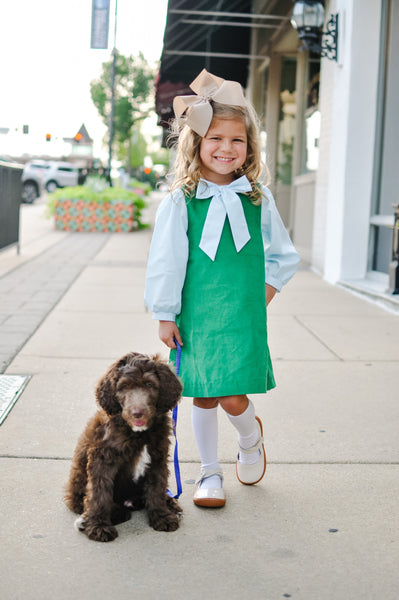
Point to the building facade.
(329, 129)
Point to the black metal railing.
(394, 265)
(10, 200)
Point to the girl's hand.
(270, 293)
(167, 331)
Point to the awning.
(210, 34)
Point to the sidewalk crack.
(318, 338)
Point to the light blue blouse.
(167, 261)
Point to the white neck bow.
(225, 201)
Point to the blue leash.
(174, 418)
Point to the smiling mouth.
(139, 425)
(223, 159)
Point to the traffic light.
(78, 137)
(48, 137)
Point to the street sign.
(99, 24)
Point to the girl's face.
(223, 150)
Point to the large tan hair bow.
(198, 110)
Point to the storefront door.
(386, 171)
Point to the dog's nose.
(137, 414)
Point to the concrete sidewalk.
(321, 525)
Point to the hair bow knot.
(198, 109)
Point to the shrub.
(87, 195)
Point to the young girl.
(218, 237)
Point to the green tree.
(137, 149)
(134, 80)
(161, 157)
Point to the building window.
(385, 180)
(286, 131)
(310, 161)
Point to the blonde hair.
(187, 167)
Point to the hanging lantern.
(308, 19)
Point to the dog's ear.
(106, 387)
(170, 388)
(105, 394)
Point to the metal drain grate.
(11, 387)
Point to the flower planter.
(74, 214)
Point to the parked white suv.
(60, 174)
(33, 180)
(50, 175)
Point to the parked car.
(60, 174)
(39, 175)
(33, 180)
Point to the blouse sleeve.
(281, 258)
(167, 261)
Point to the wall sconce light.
(308, 19)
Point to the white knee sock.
(248, 433)
(205, 427)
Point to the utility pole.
(111, 117)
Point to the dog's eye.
(149, 385)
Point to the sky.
(46, 65)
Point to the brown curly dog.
(120, 463)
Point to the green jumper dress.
(223, 318)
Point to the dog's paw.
(101, 533)
(174, 506)
(168, 522)
(80, 524)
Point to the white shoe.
(210, 497)
(251, 474)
